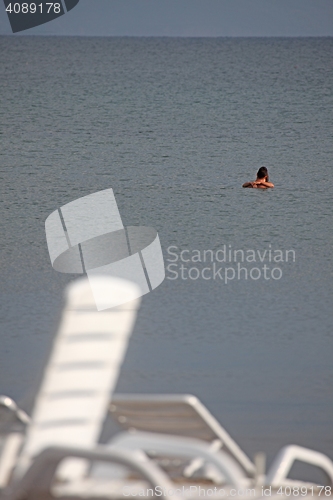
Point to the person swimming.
(262, 180)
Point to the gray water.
(175, 126)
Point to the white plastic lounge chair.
(228, 469)
(185, 415)
(73, 398)
(176, 414)
(284, 460)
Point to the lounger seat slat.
(87, 379)
(167, 426)
(82, 322)
(110, 351)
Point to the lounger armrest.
(284, 460)
(40, 475)
(181, 447)
(10, 446)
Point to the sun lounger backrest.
(176, 414)
(82, 371)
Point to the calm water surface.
(175, 126)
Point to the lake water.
(175, 127)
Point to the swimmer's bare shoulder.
(265, 184)
(258, 185)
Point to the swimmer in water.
(262, 180)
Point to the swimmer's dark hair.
(262, 172)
